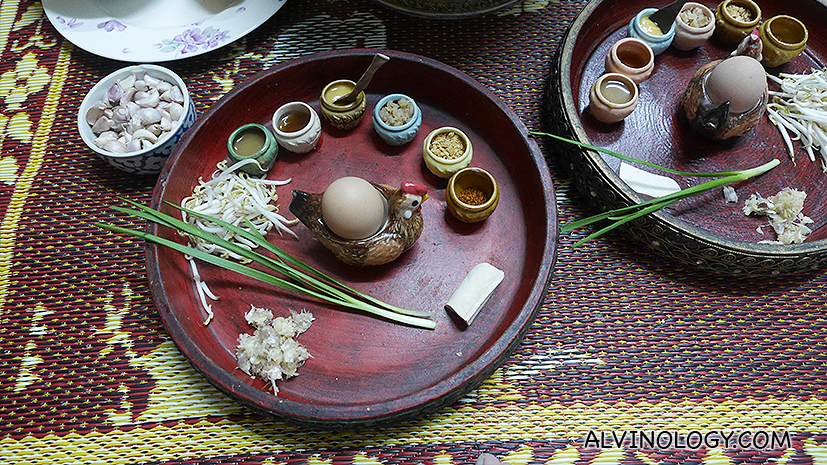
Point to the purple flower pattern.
(71, 22)
(193, 39)
(112, 25)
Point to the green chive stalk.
(620, 216)
(301, 278)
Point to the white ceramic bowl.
(300, 140)
(150, 160)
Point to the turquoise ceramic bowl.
(397, 135)
(659, 43)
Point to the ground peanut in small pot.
(448, 145)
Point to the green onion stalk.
(297, 276)
(620, 216)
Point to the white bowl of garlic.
(133, 117)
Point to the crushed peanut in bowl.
(740, 13)
(448, 145)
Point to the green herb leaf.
(315, 284)
(623, 215)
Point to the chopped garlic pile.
(784, 212)
(271, 352)
(799, 110)
(236, 198)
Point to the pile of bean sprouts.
(799, 110)
(232, 197)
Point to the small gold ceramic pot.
(342, 116)
(256, 142)
(472, 195)
(731, 28)
(613, 97)
(632, 57)
(434, 151)
(783, 38)
(689, 36)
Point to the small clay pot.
(689, 37)
(783, 38)
(632, 57)
(263, 148)
(483, 184)
(731, 30)
(342, 116)
(400, 134)
(613, 97)
(441, 166)
(658, 42)
(297, 127)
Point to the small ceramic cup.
(343, 116)
(783, 38)
(730, 26)
(638, 29)
(613, 97)
(690, 36)
(472, 195)
(399, 134)
(253, 141)
(297, 127)
(435, 149)
(632, 57)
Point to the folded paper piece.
(646, 183)
(474, 291)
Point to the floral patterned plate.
(156, 30)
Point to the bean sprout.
(236, 198)
(799, 110)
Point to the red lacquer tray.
(703, 231)
(367, 371)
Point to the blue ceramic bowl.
(396, 135)
(659, 43)
(150, 160)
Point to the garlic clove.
(150, 100)
(120, 115)
(145, 134)
(102, 124)
(104, 137)
(176, 110)
(134, 108)
(176, 94)
(94, 113)
(152, 81)
(114, 94)
(114, 146)
(149, 115)
(128, 95)
(140, 84)
(128, 82)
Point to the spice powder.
(472, 196)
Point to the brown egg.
(353, 209)
(741, 80)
